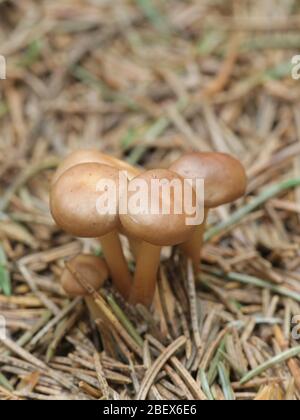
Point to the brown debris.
(192, 76)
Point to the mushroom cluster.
(74, 207)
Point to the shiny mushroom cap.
(225, 177)
(74, 201)
(92, 270)
(156, 228)
(93, 156)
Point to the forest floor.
(147, 81)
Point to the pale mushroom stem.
(192, 248)
(117, 264)
(145, 279)
(134, 246)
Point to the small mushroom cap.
(93, 156)
(74, 198)
(157, 229)
(93, 270)
(225, 177)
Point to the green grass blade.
(152, 14)
(280, 358)
(205, 385)
(266, 195)
(125, 321)
(5, 282)
(225, 382)
(5, 383)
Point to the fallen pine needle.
(193, 304)
(157, 366)
(281, 358)
(254, 281)
(5, 283)
(225, 382)
(125, 321)
(205, 385)
(266, 195)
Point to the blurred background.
(147, 80)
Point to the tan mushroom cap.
(91, 269)
(93, 156)
(157, 229)
(74, 198)
(225, 177)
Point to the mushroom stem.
(145, 279)
(113, 253)
(192, 248)
(134, 243)
(134, 246)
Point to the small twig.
(101, 377)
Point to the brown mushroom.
(88, 270)
(154, 230)
(73, 202)
(225, 181)
(94, 156)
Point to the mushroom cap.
(157, 229)
(74, 198)
(225, 177)
(93, 156)
(93, 270)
